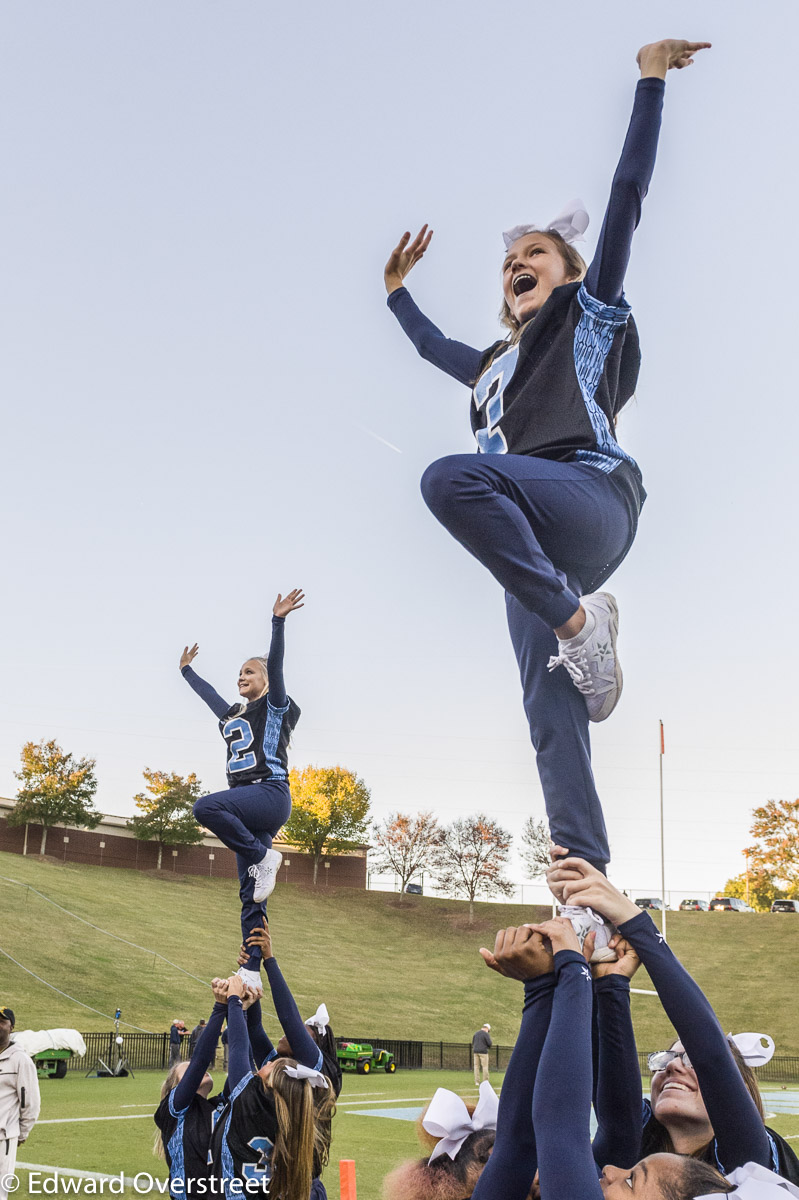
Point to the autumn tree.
(166, 813)
(329, 812)
(536, 842)
(57, 789)
(406, 845)
(470, 859)
(776, 851)
(759, 890)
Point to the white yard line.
(79, 1120)
(128, 1182)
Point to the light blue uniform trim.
(177, 1170)
(228, 1166)
(593, 340)
(489, 392)
(274, 724)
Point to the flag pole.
(662, 838)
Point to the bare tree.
(536, 842)
(407, 845)
(470, 859)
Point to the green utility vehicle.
(52, 1064)
(361, 1057)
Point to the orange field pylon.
(346, 1168)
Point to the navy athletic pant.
(246, 818)
(547, 531)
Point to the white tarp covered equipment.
(33, 1041)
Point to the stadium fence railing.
(150, 1052)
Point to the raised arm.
(740, 1134)
(303, 1046)
(274, 662)
(519, 954)
(605, 277)
(217, 705)
(457, 359)
(617, 1099)
(202, 1058)
(562, 1096)
(238, 1041)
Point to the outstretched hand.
(286, 604)
(580, 883)
(404, 256)
(627, 961)
(657, 58)
(561, 935)
(519, 953)
(188, 656)
(220, 989)
(260, 936)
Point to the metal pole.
(662, 839)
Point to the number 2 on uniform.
(240, 760)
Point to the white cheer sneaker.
(585, 921)
(252, 979)
(265, 875)
(590, 657)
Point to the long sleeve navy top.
(257, 735)
(555, 391)
(303, 1046)
(740, 1134)
(605, 276)
(617, 1076)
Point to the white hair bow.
(448, 1118)
(315, 1078)
(750, 1047)
(571, 223)
(320, 1020)
(753, 1182)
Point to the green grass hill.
(382, 968)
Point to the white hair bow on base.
(753, 1182)
(315, 1078)
(320, 1020)
(571, 223)
(448, 1118)
(751, 1049)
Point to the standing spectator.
(224, 1048)
(176, 1032)
(481, 1044)
(19, 1098)
(195, 1036)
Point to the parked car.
(693, 906)
(652, 902)
(785, 906)
(413, 889)
(729, 904)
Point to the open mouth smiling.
(524, 283)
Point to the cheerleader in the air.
(248, 815)
(550, 502)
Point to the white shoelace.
(255, 870)
(576, 664)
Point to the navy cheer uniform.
(185, 1118)
(248, 816)
(550, 502)
(246, 1128)
(740, 1135)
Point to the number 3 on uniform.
(240, 760)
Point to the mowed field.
(407, 970)
(105, 1126)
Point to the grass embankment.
(409, 970)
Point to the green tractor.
(52, 1064)
(361, 1057)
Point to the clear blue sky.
(198, 368)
